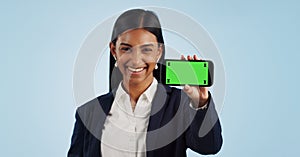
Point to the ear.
(112, 48)
(160, 51)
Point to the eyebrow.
(145, 45)
(125, 44)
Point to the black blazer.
(173, 126)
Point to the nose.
(136, 57)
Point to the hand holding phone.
(198, 95)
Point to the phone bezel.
(210, 72)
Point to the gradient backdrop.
(258, 41)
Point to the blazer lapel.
(106, 102)
(158, 107)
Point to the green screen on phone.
(187, 72)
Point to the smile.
(135, 69)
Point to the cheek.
(150, 58)
(121, 61)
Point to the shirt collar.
(148, 93)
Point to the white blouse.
(124, 132)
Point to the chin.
(136, 81)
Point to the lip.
(135, 70)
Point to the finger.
(196, 58)
(182, 57)
(191, 91)
(188, 90)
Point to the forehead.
(137, 37)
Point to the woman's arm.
(204, 134)
(76, 148)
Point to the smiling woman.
(143, 117)
(147, 22)
(136, 53)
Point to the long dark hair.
(134, 19)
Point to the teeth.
(135, 69)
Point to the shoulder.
(101, 102)
(93, 113)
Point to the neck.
(136, 89)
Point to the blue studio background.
(258, 41)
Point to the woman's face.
(137, 52)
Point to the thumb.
(191, 92)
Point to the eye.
(147, 50)
(126, 49)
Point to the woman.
(139, 116)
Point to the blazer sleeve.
(76, 148)
(204, 133)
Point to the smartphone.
(191, 72)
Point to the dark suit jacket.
(173, 126)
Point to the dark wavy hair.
(134, 19)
